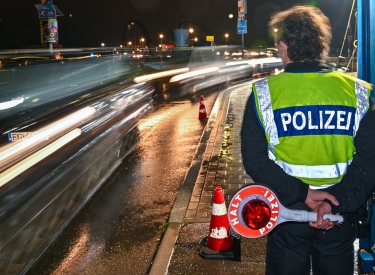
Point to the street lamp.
(191, 30)
(103, 44)
(142, 40)
(161, 37)
(229, 26)
(129, 44)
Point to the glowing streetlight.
(142, 40)
(129, 43)
(191, 30)
(195, 41)
(103, 44)
(229, 27)
(161, 37)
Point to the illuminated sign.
(242, 27)
(49, 31)
(47, 9)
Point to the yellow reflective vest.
(310, 121)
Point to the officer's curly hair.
(305, 30)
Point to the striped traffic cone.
(202, 108)
(219, 238)
(219, 244)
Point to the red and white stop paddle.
(255, 210)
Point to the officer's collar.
(307, 66)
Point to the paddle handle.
(305, 216)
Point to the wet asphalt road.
(120, 228)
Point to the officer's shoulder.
(357, 80)
(363, 83)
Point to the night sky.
(90, 23)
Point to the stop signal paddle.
(255, 210)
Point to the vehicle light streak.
(17, 157)
(194, 74)
(98, 122)
(10, 104)
(148, 77)
(256, 61)
(31, 160)
(13, 150)
(241, 67)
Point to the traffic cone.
(219, 244)
(219, 238)
(202, 108)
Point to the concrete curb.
(165, 251)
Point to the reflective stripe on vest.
(362, 105)
(304, 171)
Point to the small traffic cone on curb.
(219, 244)
(202, 108)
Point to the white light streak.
(11, 104)
(31, 160)
(194, 74)
(149, 77)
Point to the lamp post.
(129, 44)
(142, 40)
(190, 31)
(229, 21)
(161, 39)
(161, 45)
(229, 26)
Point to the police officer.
(309, 135)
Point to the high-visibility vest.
(310, 121)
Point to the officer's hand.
(321, 209)
(316, 197)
